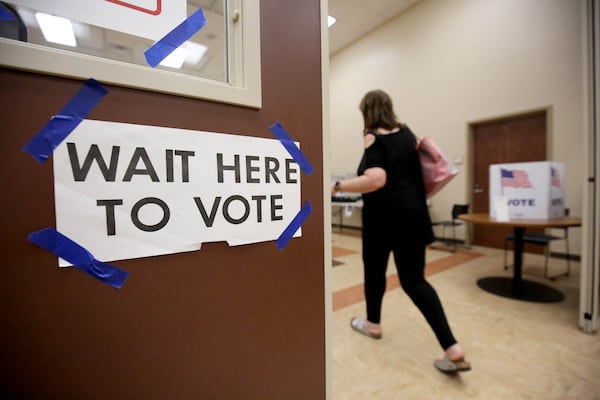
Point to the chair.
(543, 239)
(457, 210)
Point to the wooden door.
(516, 139)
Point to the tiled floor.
(519, 350)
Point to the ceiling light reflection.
(56, 29)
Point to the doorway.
(519, 138)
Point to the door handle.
(478, 190)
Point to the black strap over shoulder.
(411, 132)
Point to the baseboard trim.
(348, 227)
(571, 257)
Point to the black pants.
(410, 263)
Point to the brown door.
(516, 139)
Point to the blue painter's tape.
(291, 147)
(172, 40)
(291, 229)
(62, 124)
(6, 14)
(63, 247)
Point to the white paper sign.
(151, 19)
(126, 191)
(501, 208)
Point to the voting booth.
(530, 190)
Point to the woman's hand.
(334, 189)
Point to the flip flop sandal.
(449, 366)
(360, 325)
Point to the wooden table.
(516, 287)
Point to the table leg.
(518, 260)
(515, 287)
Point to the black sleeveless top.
(399, 208)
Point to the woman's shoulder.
(369, 139)
(401, 133)
(407, 133)
(404, 128)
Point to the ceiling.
(356, 18)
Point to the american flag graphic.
(515, 178)
(554, 177)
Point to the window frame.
(243, 64)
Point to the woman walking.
(396, 220)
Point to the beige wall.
(447, 64)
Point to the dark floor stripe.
(355, 294)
